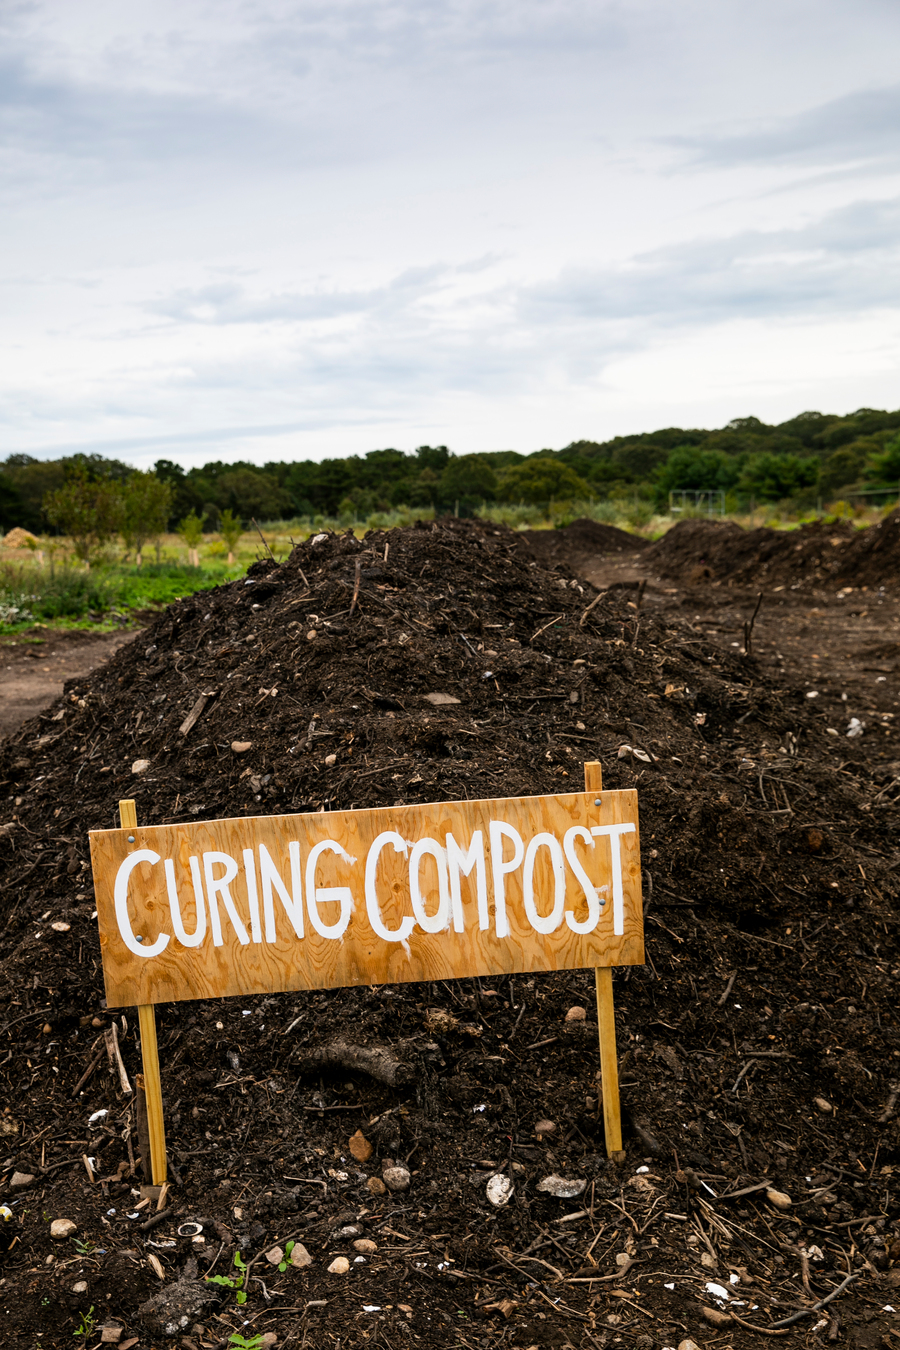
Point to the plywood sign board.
(264, 904)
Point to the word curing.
(412, 893)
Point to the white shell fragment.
(560, 1187)
(499, 1190)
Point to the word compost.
(265, 904)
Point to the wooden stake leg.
(153, 1089)
(149, 1053)
(609, 1064)
(606, 1022)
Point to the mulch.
(822, 554)
(759, 1046)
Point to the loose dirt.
(34, 668)
(759, 1047)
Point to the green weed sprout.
(88, 1323)
(235, 1282)
(240, 1342)
(288, 1248)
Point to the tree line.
(813, 455)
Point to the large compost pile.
(820, 555)
(759, 1047)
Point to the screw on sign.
(441, 891)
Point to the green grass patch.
(67, 596)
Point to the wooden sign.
(264, 904)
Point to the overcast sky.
(273, 229)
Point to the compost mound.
(770, 897)
(582, 540)
(820, 555)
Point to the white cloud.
(277, 227)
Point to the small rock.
(79, 1287)
(499, 1190)
(241, 747)
(688, 1344)
(60, 926)
(778, 1198)
(275, 1255)
(545, 1127)
(718, 1319)
(562, 1188)
(19, 1180)
(823, 1105)
(396, 1178)
(440, 700)
(311, 635)
(110, 1335)
(576, 1014)
(63, 1228)
(300, 1257)
(352, 1230)
(331, 759)
(269, 1338)
(360, 1147)
(140, 766)
(339, 1266)
(707, 1259)
(365, 1245)
(376, 1186)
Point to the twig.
(546, 626)
(780, 1328)
(596, 600)
(111, 1037)
(737, 1081)
(91, 1069)
(752, 1326)
(265, 545)
(374, 1060)
(355, 586)
(162, 1216)
(748, 627)
(728, 988)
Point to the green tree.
(231, 530)
(540, 479)
(12, 507)
(252, 494)
(838, 469)
(772, 478)
(466, 481)
(89, 510)
(692, 468)
(885, 467)
(146, 504)
(191, 531)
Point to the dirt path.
(35, 665)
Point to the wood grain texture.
(606, 1020)
(284, 901)
(152, 1085)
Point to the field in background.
(46, 586)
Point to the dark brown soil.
(771, 882)
(818, 555)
